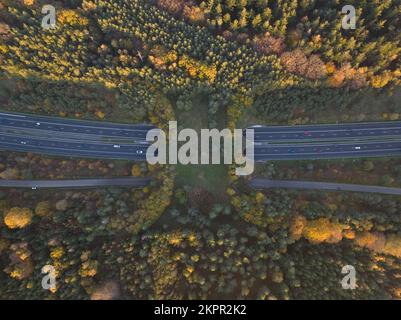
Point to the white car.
(139, 151)
(117, 146)
(23, 142)
(357, 148)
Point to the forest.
(200, 232)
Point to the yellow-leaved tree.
(18, 218)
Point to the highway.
(70, 148)
(310, 185)
(312, 142)
(348, 131)
(73, 138)
(327, 150)
(34, 124)
(106, 140)
(79, 183)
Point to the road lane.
(33, 124)
(78, 183)
(312, 185)
(95, 139)
(326, 151)
(73, 138)
(73, 148)
(304, 133)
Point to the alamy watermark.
(49, 280)
(349, 281)
(49, 20)
(204, 150)
(349, 20)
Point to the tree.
(295, 61)
(257, 20)
(267, 44)
(243, 20)
(18, 218)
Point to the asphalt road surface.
(65, 147)
(43, 125)
(349, 131)
(286, 184)
(327, 150)
(73, 138)
(351, 140)
(81, 183)
(96, 139)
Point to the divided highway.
(97, 139)
(72, 138)
(327, 151)
(312, 133)
(310, 185)
(71, 148)
(352, 140)
(34, 124)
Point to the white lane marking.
(333, 125)
(69, 140)
(11, 115)
(311, 131)
(57, 149)
(331, 153)
(345, 144)
(102, 125)
(55, 143)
